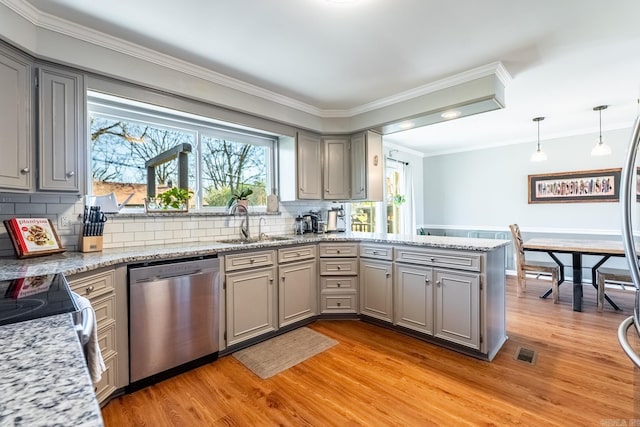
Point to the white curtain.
(408, 210)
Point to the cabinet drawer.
(338, 267)
(249, 260)
(94, 285)
(107, 339)
(338, 250)
(338, 303)
(349, 283)
(105, 309)
(376, 251)
(450, 259)
(297, 253)
(107, 384)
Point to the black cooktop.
(32, 297)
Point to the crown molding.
(52, 23)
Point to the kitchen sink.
(249, 241)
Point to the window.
(395, 213)
(224, 160)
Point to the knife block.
(90, 244)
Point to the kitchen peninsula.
(451, 269)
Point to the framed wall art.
(600, 185)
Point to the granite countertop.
(71, 263)
(45, 380)
(44, 375)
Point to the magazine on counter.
(33, 236)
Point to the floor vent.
(526, 355)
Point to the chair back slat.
(517, 243)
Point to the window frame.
(120, 108)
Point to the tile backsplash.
(125, 230)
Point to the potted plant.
(240, 197)
(398, 199)
(174, 199)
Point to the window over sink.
(124, 134)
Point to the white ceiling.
(564, 56)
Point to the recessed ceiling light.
(451, 114)
(406, 125)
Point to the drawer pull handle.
(89, 289)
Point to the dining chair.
(532, 267)
(604, 275)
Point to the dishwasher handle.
(168, 276)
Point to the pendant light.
(538, 155)
(601, 149)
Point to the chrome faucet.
(244, 227)
(261, 235)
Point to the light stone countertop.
(45, 380)
(71, 263)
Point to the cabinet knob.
(339, 268)
(89, 289)
(338, 284)
(426, 281)
(298, 254)
(25, 170)
(271, 280)
(70, 174)
(432, 259)
(362, 189)
(375, 252)
(301, 188)
(388, 274)
(326, 190)
(251, 261)
(338, 304)
(283, 278)
(438, 283)
(338, 251)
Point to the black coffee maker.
(310, 222)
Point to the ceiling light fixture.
(538, 155)
(601, 149)
(451, 114)
(407, 125)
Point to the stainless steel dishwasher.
(173, 316)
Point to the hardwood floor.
(375, 376)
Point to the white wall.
(487, 189)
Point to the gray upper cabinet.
(336, 168)
(61, 129)
(309, 167)
(16, 140)
(367, 167)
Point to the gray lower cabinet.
(16, 161)
(457, 307)
(413, 300)
(251, 303)
(61, 129)
(297, 292)
(106, 291)
(339, 278)
(376, 289)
